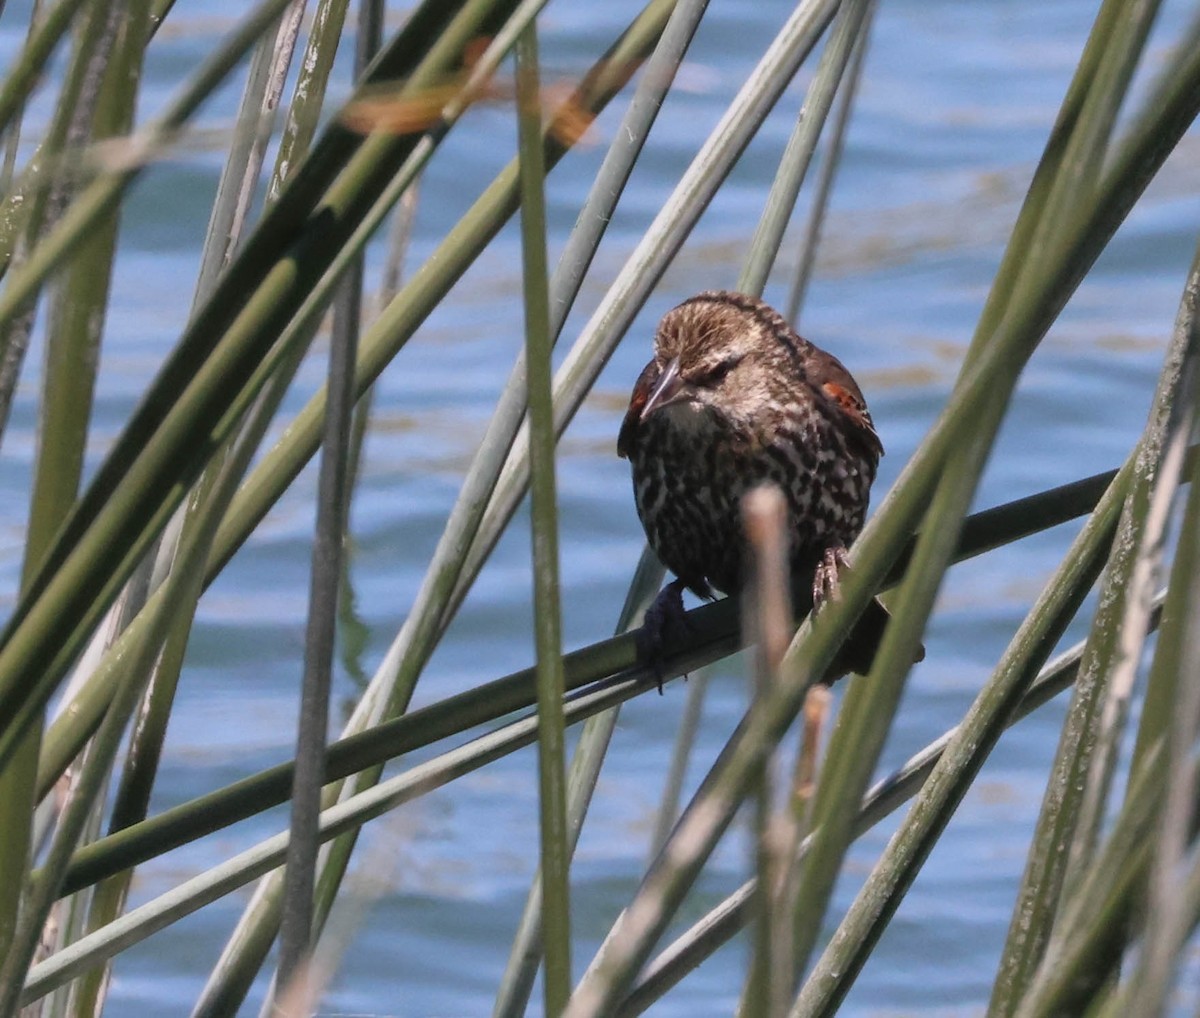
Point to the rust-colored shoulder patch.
(855, 411)
(843, 397)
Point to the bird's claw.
(664, 619)
(826, 576)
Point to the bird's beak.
(669, 389)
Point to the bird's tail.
(857, 654)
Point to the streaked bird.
(734, 398)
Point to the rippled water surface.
(953, 111)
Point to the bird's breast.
(691, 469)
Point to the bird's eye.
(714, 375)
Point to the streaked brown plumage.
(734, 398)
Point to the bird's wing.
(637, 402)
(834, 384)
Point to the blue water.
(954, 108)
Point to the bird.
(733, 398)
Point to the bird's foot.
(826, 576)
(665, 620)
(857, 654)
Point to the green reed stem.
(547, 624)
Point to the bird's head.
(718, 361)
